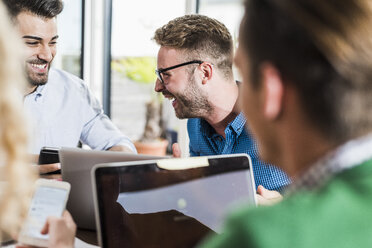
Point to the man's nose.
(159, 86)
(45, 53)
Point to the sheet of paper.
(183, 163)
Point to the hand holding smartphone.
(49, 199)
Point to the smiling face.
(40, 37)
(181, 85)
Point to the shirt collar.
(347, 156)
(237, 125)
(206, 128)
(40, 89)
(37, 93)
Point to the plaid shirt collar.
(347, 156)
(237, 125)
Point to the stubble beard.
(36, 79)
(193, 103)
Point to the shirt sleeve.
(99, 132)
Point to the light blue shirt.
(64, 111)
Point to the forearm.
(121, 148)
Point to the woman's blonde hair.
(16, 175)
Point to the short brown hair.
(324, 49)
(201, 37)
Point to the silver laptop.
(75, 167)
(141, 204)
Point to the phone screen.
(47, 201)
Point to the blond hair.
(16, 176)
(201, 37)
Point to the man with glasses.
(195, 73)
(62, 108)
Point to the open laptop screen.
(145, 206)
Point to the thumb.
(45, 228)
(261, 189)
(176, 150)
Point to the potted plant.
(141, 70)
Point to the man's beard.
(37, 79)
(192, 103)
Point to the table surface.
(78, 244)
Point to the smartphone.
(49, 199)
(49, 155)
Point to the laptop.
(76, 164)
(152, 204)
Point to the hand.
(61, 231)
(120, 149)
(176, 150)
(267, 197)
(46, 168)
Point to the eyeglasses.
(160, 71)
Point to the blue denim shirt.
(205, 141)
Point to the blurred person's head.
(36, 22)
(16, 177)
(206, 43)
(306, 65)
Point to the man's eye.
(32, 43)
(53, 43)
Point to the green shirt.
(338, 214)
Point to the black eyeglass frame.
(160, 71)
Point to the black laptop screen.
(145, 206)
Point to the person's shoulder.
(272, 226)
(310, 218)
(68, 79)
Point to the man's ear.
(207, 72)
(273, 91)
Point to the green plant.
(142, 70)
(138, 69)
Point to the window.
(134, 59)
(229, 12)
(69, 49)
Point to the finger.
(176, 150)
(260, 188)
(268, 194)
(68, 218)
(45, 168)
(45, 228)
